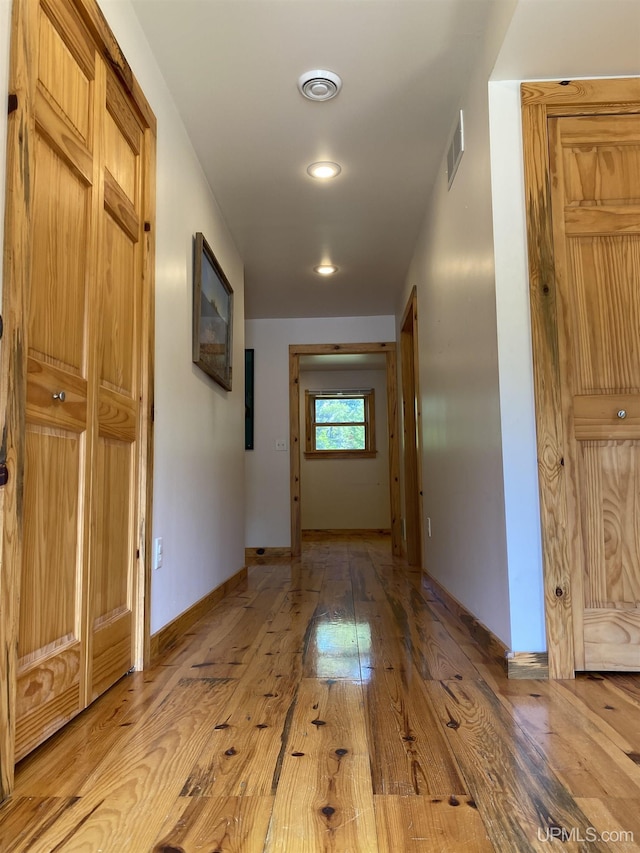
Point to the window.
(340, 424)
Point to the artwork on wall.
(212, 315)
(248, 399)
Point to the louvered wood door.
(83, 342)
(595, 189)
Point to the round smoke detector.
(319, 85)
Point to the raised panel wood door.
(118, 341)
(595, 196)
(86, 332)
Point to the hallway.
(332, 704)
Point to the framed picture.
(212, 315)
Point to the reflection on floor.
(330, 705)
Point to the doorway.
(411, 431)
(296, 351)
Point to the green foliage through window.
(336, 410)
(339, 423)
(340, 438)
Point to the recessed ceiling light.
(325, 169)
(326, 269)
(319, 85)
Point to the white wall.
(268, 512)
(516, 371)
(199, 456)
(347, 493)
(453, 270)
(199, 427)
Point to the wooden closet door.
(118, 341)
(59, 408)
(595, 193)
(86, 334)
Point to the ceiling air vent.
(456, 150)
(319, 85)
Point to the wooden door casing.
(580, 177)
(295, 351)
(412, 431)
(76, 384)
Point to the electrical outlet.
(157, 553)
(281, 444)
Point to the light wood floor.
(330, 705)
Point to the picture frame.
(212, 315)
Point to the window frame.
(368, 396)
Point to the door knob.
(622, 414)
(60, 396)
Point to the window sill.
(340, 454)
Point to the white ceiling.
(571, 38)
(232, 67)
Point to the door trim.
(412, 432)
(295, 351)
(17, 262)
(539, 102)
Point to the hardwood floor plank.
(125, 798)
(225, 621)
(243, 748)
(60, 766)
(517, 794)
(433, 650)
(287, 632)
(608, 707)
(23, 820)
(324, 800)
(229, 824)
(331, 650)
(589, 761)
(420, 824)
(413, 757)
(231, 643)
(321, 681)
(615, 821)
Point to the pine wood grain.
(619, 818)
(520, 795)
(15, 311)
(324, 799)
(229, 824)
(391, 760)
(61, 765)
(608, 705)
(582, 185)
(55, 262)
(124, 799)
(418, 824)
(413, 758)
(243, 750)
(549, 424)
(589, 760)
